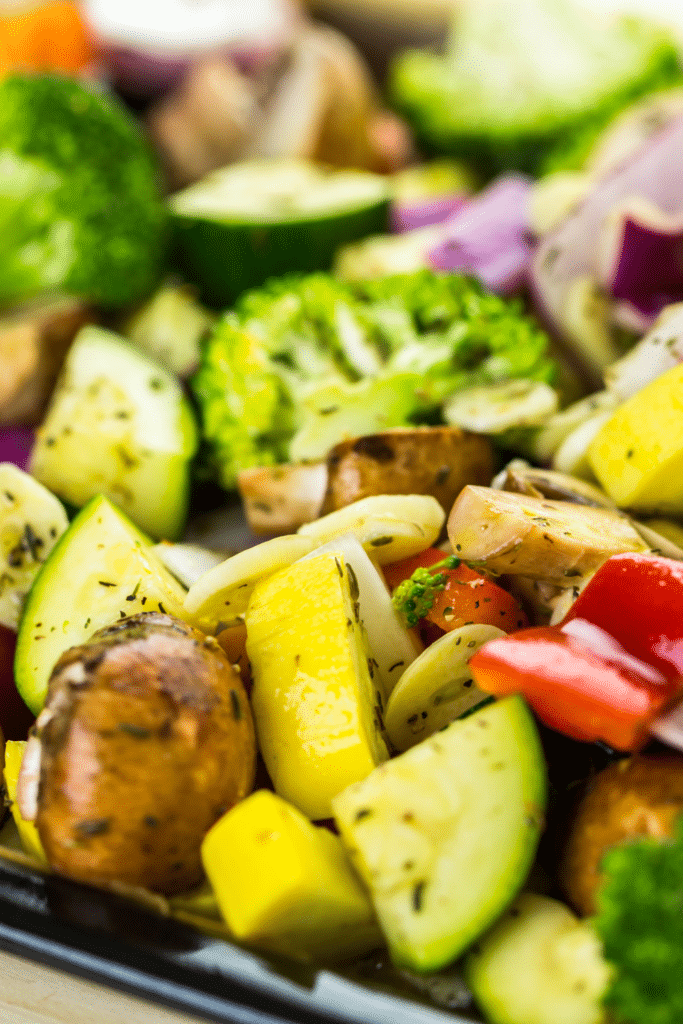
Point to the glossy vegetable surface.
(583, 693)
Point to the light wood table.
(32, 994)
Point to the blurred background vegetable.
(517, 80)
(80, 200)
(306, 361)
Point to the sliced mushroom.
(280, 499)
(556, 541)
(206, 122)
(323, 107)
(523, 478)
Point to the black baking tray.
(108, 939)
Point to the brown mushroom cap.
(637, 796)
(147, 739)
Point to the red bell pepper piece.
(638, 600)
(573, 688)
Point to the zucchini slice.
(32, 520)
(102, 569)
(262, 218)
(119, 425)
(539, 964)
(437, 687)
(444, 834)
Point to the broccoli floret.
(322, 360)
(640, 922)
(246, 408)
(521, 79)
(414, 597)
(81, 208)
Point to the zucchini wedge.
(118, 424)
(102, 569)
(444, 834)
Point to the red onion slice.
(569, 253)
(15, 445)
(641, 262)
(407, 216)
(489, 236)
(148, 46)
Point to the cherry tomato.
(468, 596)
(397, 572)
(638, 599)
(15, 717)
(574, 689)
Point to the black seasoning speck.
(93, 827)
(418, 895)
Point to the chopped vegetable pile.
(306, 361)
(341, 573)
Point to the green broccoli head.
(521, 80)
(322, 360)
(81, 208)
(640, 922)
(245, 406)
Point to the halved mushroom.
(556, 541)
(280, 499)
(523, 478)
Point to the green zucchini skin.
(225, 259)
(32, 520)
(444, 834)
(250, 221)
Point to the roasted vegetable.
(539, 965)
(31, 522)
(80, 205)
(640, 923)
(420, 830)
(145, 740)
(637, 455)
(102, 569)
(557, 541)
(306, 362)
(518, 79)
(280, 499)
(284, 883)
(119, 424)
(34, 338)
(421, 460)
(315, 703)
(636, 796)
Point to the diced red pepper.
(586, 695)
(638, 599)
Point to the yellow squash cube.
(283, 883)
(638, 454)
(316, 706)
(28, 833)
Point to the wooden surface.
(31, 994)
